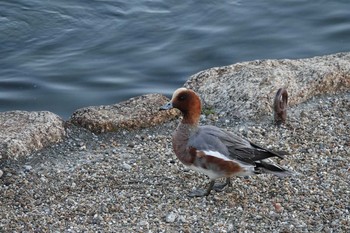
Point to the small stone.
(27, 168)
(230, 228)
(80, 144)
(43, 179)
(126, 166)
(171, 217)
(278, 207)
(182, 219)
(143, 223)
(1, 173)
(303, 114)
(186, 169)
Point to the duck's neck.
(181, 137)
(191, 118)
(186, 129)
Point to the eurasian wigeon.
(213, 151)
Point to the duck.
(213, 151)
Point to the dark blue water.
(65, 54)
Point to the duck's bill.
(167, 106)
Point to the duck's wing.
(211, 142)
(237, 147)
(210, 153)
(204, 140)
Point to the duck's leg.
(202, 192)
(220, 187)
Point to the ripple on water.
(60, 55)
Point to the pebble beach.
(131, 181)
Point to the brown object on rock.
(245, 89)
(280, 106)
(138, 112)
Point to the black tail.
(264, 167)
(262, 153)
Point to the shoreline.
(131, 181)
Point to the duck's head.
(188, 102)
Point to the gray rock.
(126, 166)
(27, 168)
(171, 217)
(139, 112)
(23, 132)
(247, 89)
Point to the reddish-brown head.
(188, 102)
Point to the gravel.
(131, 181)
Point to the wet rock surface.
(138, 112)
(247, 89)
(131, 181)
(23, 132)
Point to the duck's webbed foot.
(205, 192)
(202, 192)
(220, 186)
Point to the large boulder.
(139, 112)
(247, 89)
(23, 132)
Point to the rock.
(27, 168)
(247, 89)
(278, 207)
(23, 132)
(139, 112)
(126, 166)
(171, 217)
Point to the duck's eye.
(182, 97)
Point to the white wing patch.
(216, 154)
(247, 169)
(224, 157)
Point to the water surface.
(63, 55)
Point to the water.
(63, 55)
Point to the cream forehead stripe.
(177, 92)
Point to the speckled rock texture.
(131, 181)
(23, 132)
(139, 112)
(247, 89)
